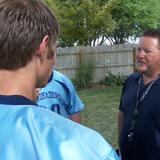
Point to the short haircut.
(154, 33)
(23, 25)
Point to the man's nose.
(140, 53)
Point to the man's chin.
(142, 70)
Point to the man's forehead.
(149, 41)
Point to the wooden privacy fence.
(117, 59)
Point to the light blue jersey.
(60, 96)
(28, 132)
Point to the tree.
(132, 17)
(83, 22)
(92, 22)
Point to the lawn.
(101, 111)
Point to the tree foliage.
(83, 22)
(132, 17)
(92, 22)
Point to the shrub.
(84, 74)
(113, 80)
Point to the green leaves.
(82, 22)
(132, 17)
(91, 22)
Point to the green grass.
(100, 112)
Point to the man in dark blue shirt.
(139, 115)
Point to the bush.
(113, 80)
(84, 74)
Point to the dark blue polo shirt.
(146, 134)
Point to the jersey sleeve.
(75, 103)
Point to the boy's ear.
(42, 47)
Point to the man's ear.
(42, 47)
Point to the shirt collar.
(137, 75)
(15, 100)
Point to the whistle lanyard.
(138, 101)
